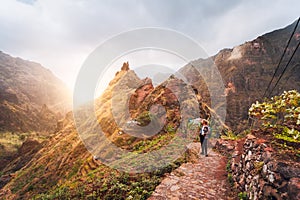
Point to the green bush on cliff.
(281, 113)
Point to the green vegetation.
(106, 183)
(154, 143)
(11, 137)
(230, 179)
(228, 168)
(258, 166)
(284, 148)
(287, 134)
(22, 182)
(59, 193)
(281, 114)
(170, 128)
(243, 196)
(145, 118)
(229, 172)
(86, 179)
(10, 142)
(74, 169)
(230, 135)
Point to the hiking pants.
(204, 146)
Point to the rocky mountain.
(128, 113)
(63, 167)
(32, 101)
(246, 71)
(131, 111)
(31, 96)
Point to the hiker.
(201, 136)
(204, 133)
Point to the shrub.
(281, 113)
(243, 196)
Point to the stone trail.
(204, 179)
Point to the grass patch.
(286, 138)
(74, 169)
(107, 183)
(153, 143)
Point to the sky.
(60, 34)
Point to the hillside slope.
(32, 101)
(246, 71)
(63, 168)
(30, 96)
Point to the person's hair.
(204, 122)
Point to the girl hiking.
(204, 134)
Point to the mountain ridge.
(63, 167)
(247, 69)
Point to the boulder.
(192, 152)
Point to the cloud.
(249, 20)
(30, 2)
(60, 34)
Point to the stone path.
(205, 179)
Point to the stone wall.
(255, 170)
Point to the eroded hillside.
(246, 71)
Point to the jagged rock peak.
(125, 66)
(147, 81)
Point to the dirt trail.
(206, 179)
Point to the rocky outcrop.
(127, 107)
(125, 66)
(256, 170)
(193, 152)
(140, 94)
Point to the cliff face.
(247, 69)
(30, 96)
